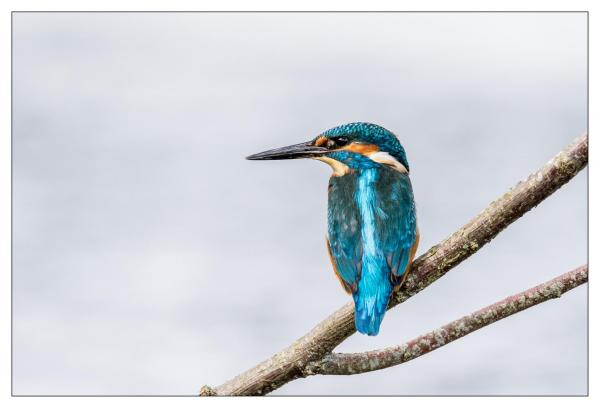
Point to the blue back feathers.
(371, 231)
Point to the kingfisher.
(372, 233)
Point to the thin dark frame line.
(12, 393)
(13, 12)
(587, 176)
(303, 11)
(303, 395)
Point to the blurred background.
(150, 258)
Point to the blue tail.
(370, 303)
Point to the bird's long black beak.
(297, 151)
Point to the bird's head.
(351, 146)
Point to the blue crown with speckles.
(371, 133)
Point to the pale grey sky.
(151, 258)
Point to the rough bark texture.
(290, 363)
(356, 363)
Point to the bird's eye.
(341, 141)
(334, 142)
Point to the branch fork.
(312, 353)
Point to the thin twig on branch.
(356, 363)
(290, 363)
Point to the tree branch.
(356, 363)
(289, 364)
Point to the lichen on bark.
(299, 359)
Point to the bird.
(372, 232)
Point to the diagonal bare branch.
(357, 363)
(289, 363)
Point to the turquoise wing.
(396, 221)
(344, 234)
(395, 225)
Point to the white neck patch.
(339, 168)
(386, 158)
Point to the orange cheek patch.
(321, 141)
(361, 148)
